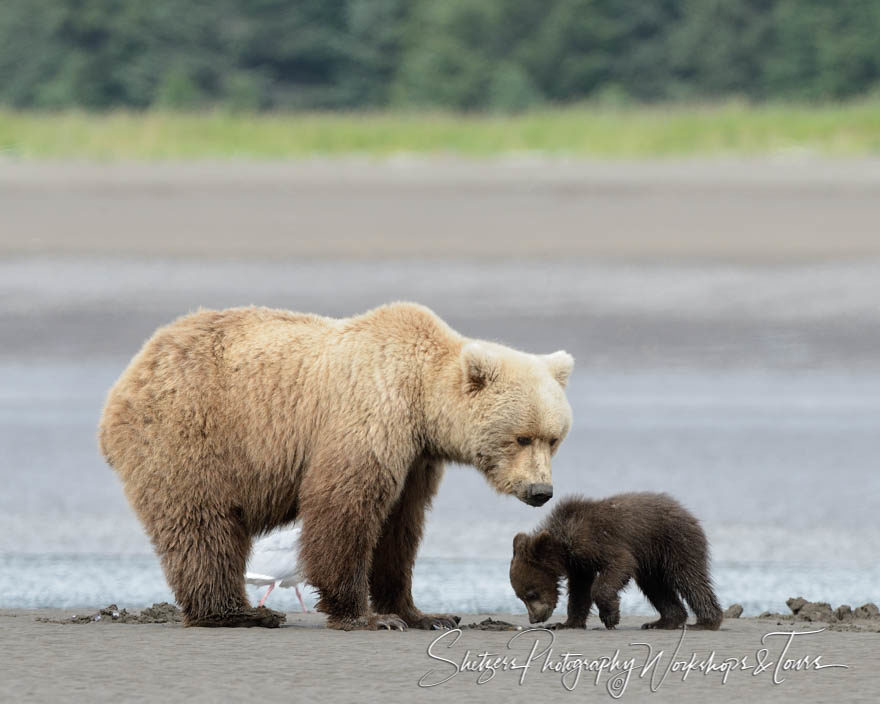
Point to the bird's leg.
(266, 595)
(301, 602)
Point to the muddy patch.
(157, 613)
(490, 624)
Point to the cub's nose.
(538, 494)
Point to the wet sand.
(304, 661)
(539, 207)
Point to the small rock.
(816, 611)
(765, 614)
(796, 604)
(867, 611)
(733, 611)
(843, 612)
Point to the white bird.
(274, 560)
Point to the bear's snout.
(538, 494)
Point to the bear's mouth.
(540, 615)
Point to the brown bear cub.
(598, 545)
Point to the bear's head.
(535, 573)
(512, 416)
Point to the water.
(465, 585)
(752, 394)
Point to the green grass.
(598, 132)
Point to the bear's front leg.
(580, 585)
(607, 585)
(343, 511)
(395, 552)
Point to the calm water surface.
(752, 394)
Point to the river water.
(749, 391)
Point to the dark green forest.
(502, 55)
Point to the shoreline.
(303, 659)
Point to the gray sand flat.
(771, 209)
(306, 662)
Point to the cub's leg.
(344, 506)
(395, 552)
(663, 598)
(607, 585)
(580, 584)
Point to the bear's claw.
(390, 622)
(376, 622)
(444, 621)
(436, 622)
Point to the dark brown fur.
(599, 545)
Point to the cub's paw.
(610, 618)
(663, 624)
(705, 625)
(565, 624)
(434, 622)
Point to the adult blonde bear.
(229, 423)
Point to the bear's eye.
(553, 441)
(524, 440)
(531, 596)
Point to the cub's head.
(535, 573)
(515, 416)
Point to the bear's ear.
(479, 366)
(519, 543)
(542, 545)
(560, 365)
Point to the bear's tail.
(700, 596)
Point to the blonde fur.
(229, 423)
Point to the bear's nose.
(539, 494)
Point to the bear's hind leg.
(663, 598)
(395, 553)
(203, 554)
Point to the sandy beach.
(303, 661)
(723, 315)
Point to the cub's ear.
(560, 365)
(479, 366)
(519, 543)
(542, 545)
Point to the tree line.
(503, 55)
